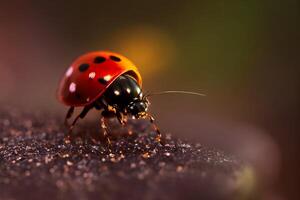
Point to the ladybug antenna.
(175, 92)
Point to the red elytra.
(90, 74)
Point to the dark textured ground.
(36, 163)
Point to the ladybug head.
(125, 95)
(138, 108)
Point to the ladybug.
(105, 81)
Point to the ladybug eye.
(115, 58)
(83, 67)
(99, 59)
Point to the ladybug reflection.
(105, 81)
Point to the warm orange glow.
(150, 49)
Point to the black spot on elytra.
(102, 81)
(115, 58)
(83, 67)
(99, 59)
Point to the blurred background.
(243, 54)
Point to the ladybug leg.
(69, 115)
(81, 115)
(122, 118)
(159, 137)
(104, 128)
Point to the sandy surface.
(36, 163)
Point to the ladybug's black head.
(138, 108)
(126, 96)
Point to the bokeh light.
(150, 48)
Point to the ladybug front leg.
(122, 118)
(159, 137)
